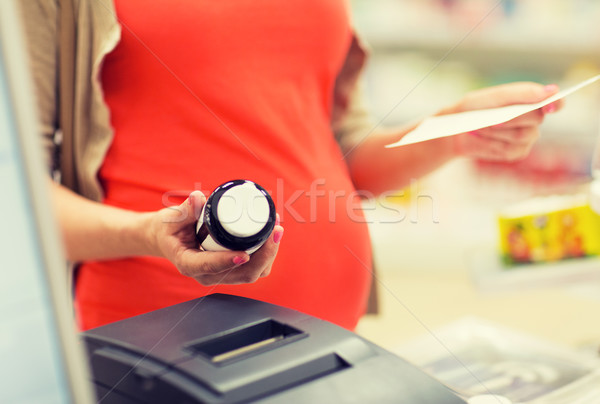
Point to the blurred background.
(436, 242)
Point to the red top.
(202, 92)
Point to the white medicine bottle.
(238, 215)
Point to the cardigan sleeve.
(356, 124)
(39, 20)
(351, 120)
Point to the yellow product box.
(549, 229)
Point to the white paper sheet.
(453, 124)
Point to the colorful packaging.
(549, 229)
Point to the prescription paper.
(453, 124)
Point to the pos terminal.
(228, 349)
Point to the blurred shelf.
(489, 273)
(487, 33)
(443, 42)
(494, 57)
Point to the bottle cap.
(243, 210)
(238, 215)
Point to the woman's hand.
(512, 140)
(173, 233)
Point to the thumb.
(524, 92)
(508, 94)
(189, 211)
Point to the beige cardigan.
(97, 32)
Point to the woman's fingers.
(174, 231)
(521, 135)
(482, 146)
(511, 140)
(507, 94)
(194, 262)
(258, 266)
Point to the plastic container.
(238, 215)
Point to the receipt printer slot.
(237, 344)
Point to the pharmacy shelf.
(490, 274)
(529, 37)
(494, 57)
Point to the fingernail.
(237, 260)
(190, 201)
(277, 236)
(550, 88)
